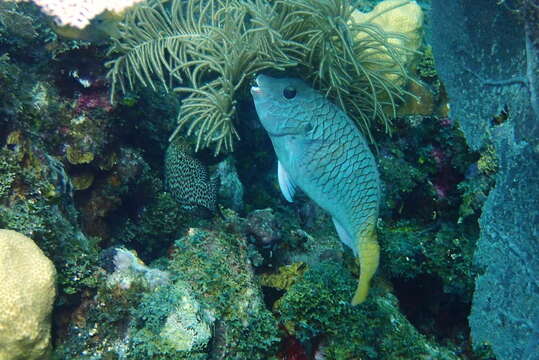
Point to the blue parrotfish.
(321, 151)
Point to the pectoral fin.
(287, 185)
(369, 255)
(345, 237)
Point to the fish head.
(285, 106)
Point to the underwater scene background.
(144, 215)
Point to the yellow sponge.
(27, 291)
(395, 16)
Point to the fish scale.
(321, 151)
(352, 170)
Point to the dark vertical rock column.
(530, 12)
(487, 55)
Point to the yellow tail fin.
(369, 255)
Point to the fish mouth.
(255, 86)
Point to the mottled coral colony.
(185, 249)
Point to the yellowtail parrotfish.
(321, 151)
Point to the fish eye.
(289, 92)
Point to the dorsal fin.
(287, 185)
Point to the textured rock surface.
(187, 328)
(27, 291)
(263, 225)
(230, 187)
(484, 60)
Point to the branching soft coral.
(204, 43)
(212, 47)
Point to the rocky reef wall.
(486, 55)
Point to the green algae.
(444, 251)
(216, 266)
(317, 307)
(35, 204)
(158, 225)
(285, 277)
(488, 162)
(169, 324)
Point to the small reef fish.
(322, 152)
(189, 181)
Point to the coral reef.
(216, 266)
(139, 313)
(126, 268)
(263, 226)
(27, 292)
(170, 324)
(424, 164)
(139, 277)
(285, 277)
(311, 306)
(37, 202)
(154, 227)
(444, 251)
(208, 292)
